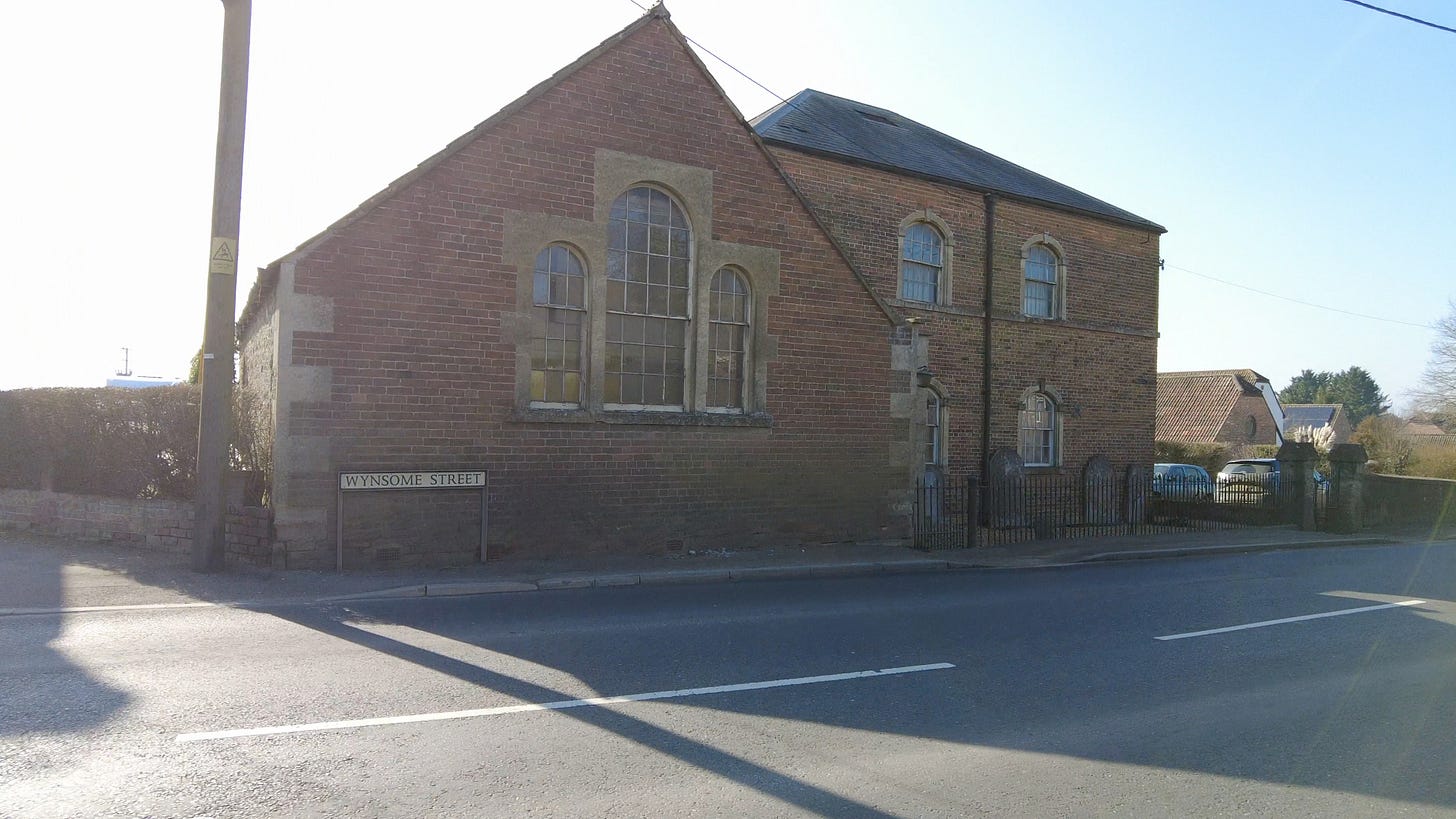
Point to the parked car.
(1248, 480)
(1182, 482)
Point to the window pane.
(636, 267)
(637, 237)
(636, 298)
(632, 388)
(918, 282)
(1037, 297)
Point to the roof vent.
(880, 118)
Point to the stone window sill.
(538, 415)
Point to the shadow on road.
(742, 771)
(41, 689)
(1222, 708)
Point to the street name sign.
(411, 480)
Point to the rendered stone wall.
(150, 525)
(1401, 500)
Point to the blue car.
(1182, 482)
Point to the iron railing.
(960, 512)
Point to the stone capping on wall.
(144, 524)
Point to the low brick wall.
(1395, 499)
(153, 525)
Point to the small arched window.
(934, 441)
(1041, 287)
(1038, 426)
(921, 263)
(558, 320)
(729, 307)
(648, 280)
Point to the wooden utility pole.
(214, 430)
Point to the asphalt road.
(1035, 693)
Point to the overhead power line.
(1033, 229)
(1436, 26)
(1299, 301)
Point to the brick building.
(1235, 408)
(656, 326)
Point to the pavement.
(46, 575)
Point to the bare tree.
(1436, 394)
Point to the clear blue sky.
(1302, 147)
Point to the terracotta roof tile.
(1194, 406)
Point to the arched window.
(728, 316)
(648, 280)
(558, 320)
(1041, 287)
(1038, 424)
(921, 263)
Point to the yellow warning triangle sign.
(224, 259)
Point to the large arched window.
(1041, 287)
(558, 320)
(649, 277)
(921, 263)
(728, 333)
(1038, 425)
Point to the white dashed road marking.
(1283, 620)
(556, 706)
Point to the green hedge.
(1211, 457)
(100, 441)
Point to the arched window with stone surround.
(558, 298)
(729, 314)
(649, 279)
(922, 263)
(1038, 430)
(1042, 282)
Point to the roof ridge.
(770, 119)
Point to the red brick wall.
(1235, 430)
(422, 363)
(1101, 360)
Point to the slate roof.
(1313, 416)
(1194, 406)
(825, 124)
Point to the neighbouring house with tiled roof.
(1234, 408)
(1318, 417)
(655, 324)
(1426, 432)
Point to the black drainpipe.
(986, 336)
